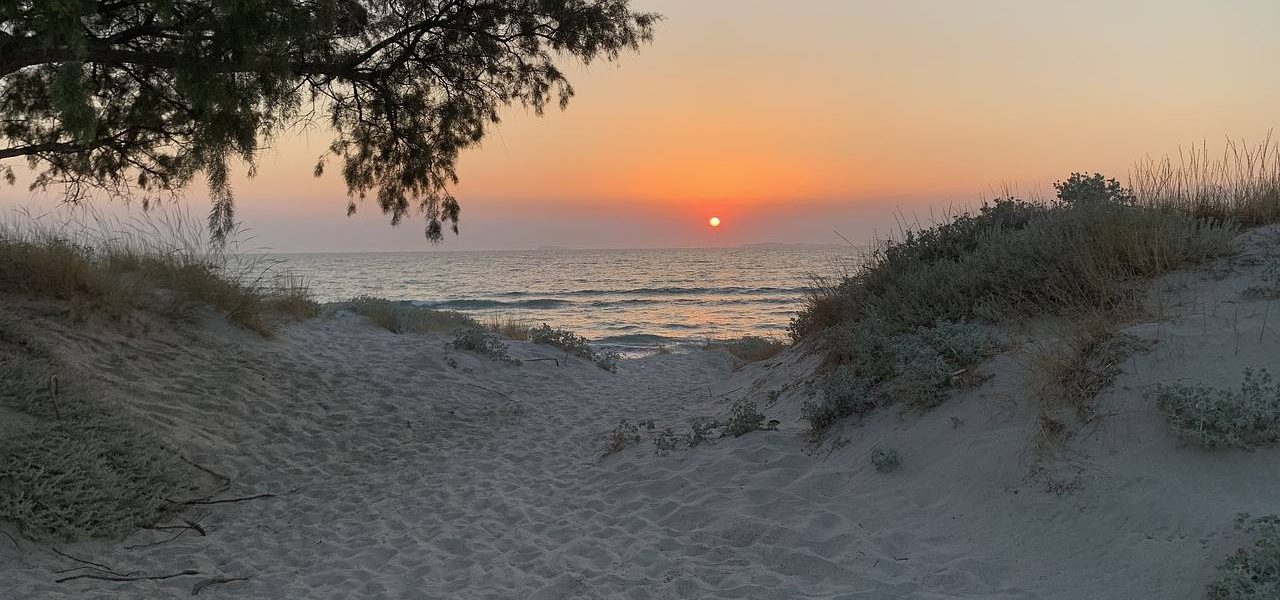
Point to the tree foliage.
(138, 97)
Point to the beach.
(337, 459)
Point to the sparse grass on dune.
(116, 268)
(1242, 185)
(402, 317)
(78, 466)
(749, 348)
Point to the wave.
(536, 303)
(666, 291)
(637, 339)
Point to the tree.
(138, 97)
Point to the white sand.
(400, 476)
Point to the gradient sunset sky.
(790, 119)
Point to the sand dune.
(398, 468)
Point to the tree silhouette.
(138, 97)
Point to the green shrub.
(744, 417)
(1092, 189)
(484, 343)
(1251, 573)
(574, 345)
(844, 394)
(1217, 418)
(881, 367)
(625, 435)
(886, 461)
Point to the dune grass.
(749, 348)
(164, 265)
(403, 317)
(76, 466)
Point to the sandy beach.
(363, 464)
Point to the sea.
(629, 300)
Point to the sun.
(714, 221)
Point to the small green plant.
(700, 431)
(1251, 573)
(625, 435)
(1217, 418)
(664, 440)
(744, 418)
(574, 345)
(483, 343)
(843, 395)
(886, 460)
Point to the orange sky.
(789, 119)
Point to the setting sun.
(714, 221)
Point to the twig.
(142, 578)
(199, 586)
(189, 526)
(228, 500)
(11, 540)
(82, 561)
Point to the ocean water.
(627, 299)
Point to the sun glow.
(714, 221)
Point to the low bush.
(484, 343)
(878, 367)
(1218, 418)
(744, 418)
(1252, 573)
(886, 460)
(843, 395)
(574, 345)
(625, 435)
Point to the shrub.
(886, 461)
(750, 348)
(1092, 189)
(1251, 573)
(844, 394)
(744, 418)
(700, 431)
(881, 367)
(1217, 418)
(574, 345)
(483, 343)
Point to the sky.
(793, 121)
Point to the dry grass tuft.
(750, 348)
(1084, 362)
(164, 265)
(509, 326)
(1242, 185)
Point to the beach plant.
(886, 460)
(1093, 189)
(1251, 573)
(574, 345)
(484, 343)
(664, 440)
(1219, 418)
(744, 417)
(79, 466)
(1268, 287)
(700, 431)
(626, 434)
(844, 394)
